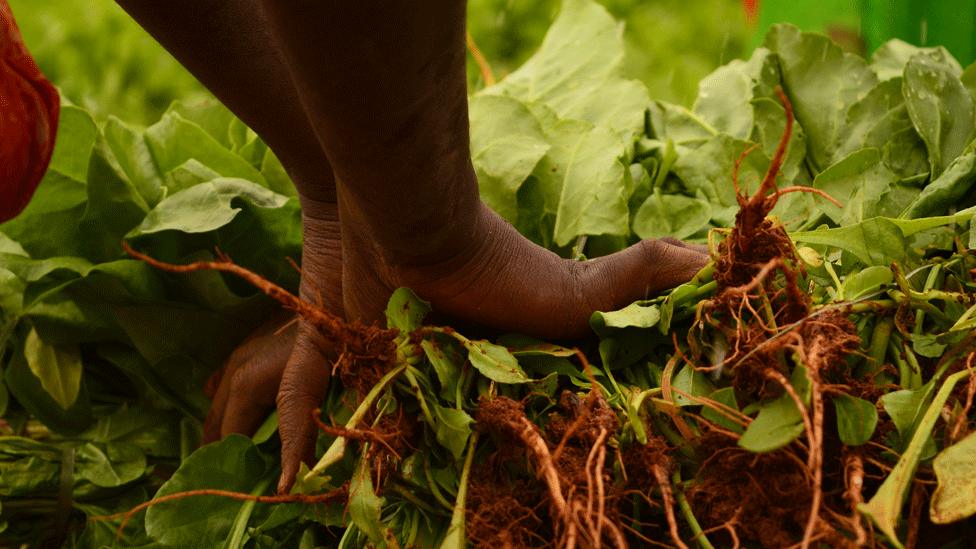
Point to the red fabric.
(29, 108)
(751, 8)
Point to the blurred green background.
(104, 62)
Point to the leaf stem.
(696, 529)
(338, 447)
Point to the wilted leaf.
(955, 468)
(884, 509)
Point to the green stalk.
(930, 281)
(412, 379)
(238, 530)
(434, 489)
(689, 515)
(455, 532)
(338, 447)
(879, 343)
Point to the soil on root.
(763, 498)
(561, 476)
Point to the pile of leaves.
(812, 385)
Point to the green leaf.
(905, 408)
(507, 143)
(495, 362)
(447, 361)
(858, 182)
(640, 314)
(525, 346)
(945, 191)
(205, 521)
(768, 131)
(452, 429)
(405, 311)
(707, 170)
(726, 396)
(778, 424)
(678, 124)
(57, 205)
(130, 149)
(671, 215)
(779, 421)
(955, 469)
(114, 206)
(889, 60)
(11, 247)
(109, 465)
(866, 281)
(875, 241)
(174, 140)
(583, 182)
(58, 368)
(880, 120)
(578, 68)
(76, 138)
(941, 109)
(725, 96)
(822, 82)
(884, 509)
(927, 345)
(694, 383)
(856, 419)
(206, 207)
(364, 505)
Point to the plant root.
(336, 495)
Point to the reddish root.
(363, 435)
(338, 494)
(854, 481)
(326, 321)
(356, 342)
(664, 483)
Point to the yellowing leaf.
(57, 367)
(955, 467)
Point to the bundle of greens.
(814, 384)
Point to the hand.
(244, 390)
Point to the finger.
(253, 388)
(303, 386)
(614, 281)
(263, 354)
(702, 249)
(215, 417)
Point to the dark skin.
(365, 104)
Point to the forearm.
(228, 46)
(385, 88)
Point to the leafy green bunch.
(104, 358)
